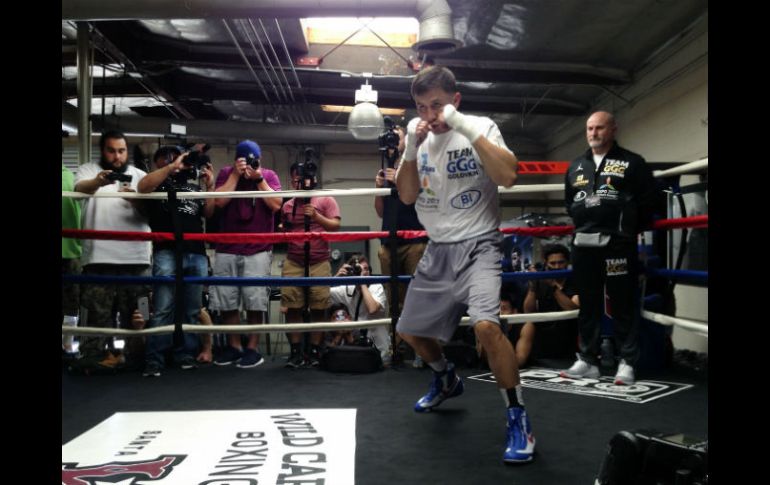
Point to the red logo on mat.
(138, 471)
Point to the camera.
(119, 177)
(389, 139)
(355, 269)
(252, 161)
(197, 158)
(306, 170)
(649, 456)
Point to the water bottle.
(607, 353)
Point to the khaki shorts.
(294, 296)
(408, 257)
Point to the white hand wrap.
(410, 143)
(460, 123)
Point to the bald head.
(600, 132)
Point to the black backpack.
(360, 358)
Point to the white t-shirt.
(379, 335)
(349, 297)
(457, 200)
(113, 214)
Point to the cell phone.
(125, 185)
(143, 304)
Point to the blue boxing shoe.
(520, 442)
(437, 392)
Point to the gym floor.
(461, 442)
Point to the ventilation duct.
(436, 35)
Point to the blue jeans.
(164, 264)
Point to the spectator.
(109, 257)
(174, 173)
(549, 339)
(366, 301)
(70, 258)
(324, 215)
(244, 259)
(409, 250)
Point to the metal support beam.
(84, 62)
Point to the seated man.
(556, 339)
(366, 301)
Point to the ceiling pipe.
(259, 59)
(293, 70)
(280, 67)
(248, 64)
(436, 34)
(209, 129)
(268, 59)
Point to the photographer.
(409, 251)
(244, 259)
(366, 302)
(174, 172)
(323, 214)
(548, 339)
(107, 257)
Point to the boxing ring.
(458, 443)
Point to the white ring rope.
(696, 326)
(261, 194)
(295, 327)
(695, 166)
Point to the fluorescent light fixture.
(120, 106)
(332, 108)
(175, 129)
(398, 32)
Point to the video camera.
(306, 170)
(389, 139)
(197, 157)
(193, 162)
(649, 457)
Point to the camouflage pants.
(70, 292)
(99, 302)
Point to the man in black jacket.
(610, 194)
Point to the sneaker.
(313, 358)
(228, 356)
(295, 361)
(417, 363)
(437, 392)
(580, 369)
(251, 358)
(520, 442)
(112, 361)
(625, 374)
(152, 368)
(96, 364)
(187, 362)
